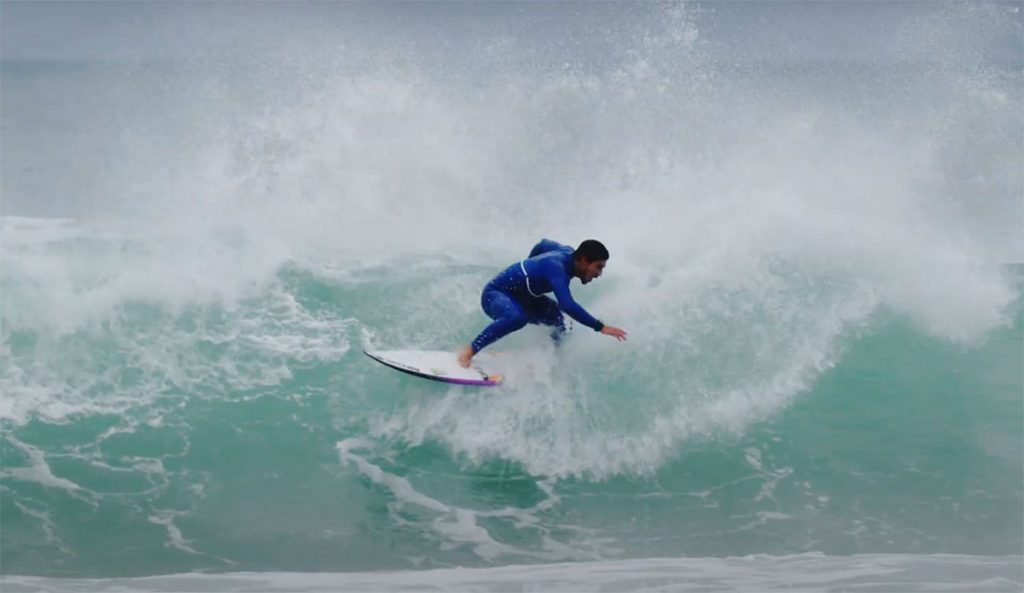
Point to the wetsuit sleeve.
(560, 286)
(544, 246)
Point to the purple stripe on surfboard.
(450, 380)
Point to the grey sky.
(83, 30)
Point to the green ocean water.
(322, 460)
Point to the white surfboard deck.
(441, 365)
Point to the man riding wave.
(516, 296)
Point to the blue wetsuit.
(515, 297)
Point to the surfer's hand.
(615, 332)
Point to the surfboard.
(440, 365)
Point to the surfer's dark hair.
(591, 250)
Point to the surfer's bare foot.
(465, 355)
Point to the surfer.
(515, 297)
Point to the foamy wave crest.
(88, 328)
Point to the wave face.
(817, 255)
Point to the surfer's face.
(588, 270)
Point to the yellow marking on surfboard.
(495, 378)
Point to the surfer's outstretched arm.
(560, 285)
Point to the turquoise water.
(193, 449)
(818, 263)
